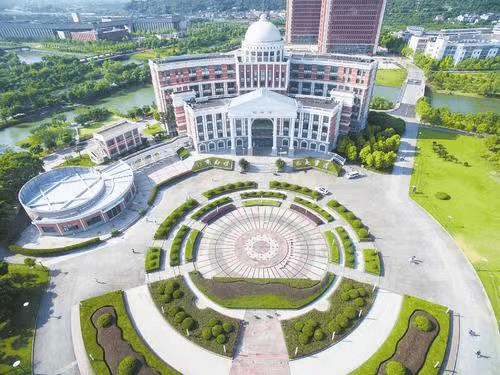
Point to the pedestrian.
(413, 258)
(478, 354)
(133, 250)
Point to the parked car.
(322, 190)
(352, 174)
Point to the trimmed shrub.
(177, 294)
(342, 321)
(359, 301)
(423, 324)
(221, 339)
(206, 333)
(217, 330)
(298, 326)
(350, 312)
(213, 322)
(345, 296)
(395, 368)
(318, 334)
(4, 267)
(180, 316)
(188, 323)
(353, 293)
(304, 339)
(333, 326)
(129, 366)
(228, 327)
(173, 310)
(362, 292)
(357, 223)
(55, 250)
(105, 320)
(442, 196)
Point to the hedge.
(296, 188)
(348, 246)
(202, 211)
(332, 245)
(213, 162)
(356, 224)
(170, 181)
(372, 261)
(153, 259)
(262, 194)
(175, 249)
(174, 218)
(183, 153)
(228, 188)
(319, 164)
(89, 333)
(261, 202)
(55, 250)
(191, 242)
(315, 207)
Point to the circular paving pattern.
(262, 242)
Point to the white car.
(322, 190)
(352, 174)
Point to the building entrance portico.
(262, 136)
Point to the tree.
(30, 262)
(244, 164)
(4, 267)
(8, 295)
(16, 168)
(352, 152)
(280, 164)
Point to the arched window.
(239, 143)
(220, 144)
(229, 144)
(284, 143)
(313, 146)
(211, 146)
(295, 144)
(322, 148)
(303, 144)
(202, 148)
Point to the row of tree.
(485, 122)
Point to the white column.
(274, 150)
(249, 134)
(233, 136)
(291, 149)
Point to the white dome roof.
(262, 31)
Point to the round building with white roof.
(74, 199)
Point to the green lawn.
(89, 130)
(436, 351)
(153, 129)
(89, 333)
(471, 215)
(16, 339)
(390, 77)
(261, 202)
(83, 161)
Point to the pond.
(123, 101)
(390, 93)
(465, 104)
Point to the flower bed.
(357, 225)
(348, 246)
(372, 261)
(332, 245)
(153, 259)
(174, 218)
(191, 242)
(229, 188)
(213, 162)
(210, 206)
(295, 188)
(315, 207)
(307, 214)
(262, 194)
(319, 164)
(169, 181)
(175, 249)
(55, 250)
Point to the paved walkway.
(360, 345)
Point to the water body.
(121, 102)
(390, 93)
(465, 104)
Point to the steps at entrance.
(262, 167)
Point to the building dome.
(262, 31)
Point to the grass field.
(390, 77)
(16, 340)
(90, 129)
(472, 215)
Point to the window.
(303, 144)
(48, 229)
(70, 227)
(114, 211)
(94, 220)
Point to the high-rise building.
(350, 26)
(302, 21)
(338, 26)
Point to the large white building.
(263, 97)
(459, 44)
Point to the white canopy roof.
(263, 103)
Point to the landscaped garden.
(210, 206)
(174, 218)
(470, 213)
(357, 225)
(262, 194)
(313, 206)
(175, 249)
(213, 162)
(21, 290)
(205, 327)
(417, 342)
(229, 188)
(320, 164)
(111, 339)
(191, 243)
(241, 293)
(261, 202)
(316, 330)
(348, 247)
(391, 77)
(295, 188)
(153, 259)
(372, 261)
(332, 246)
